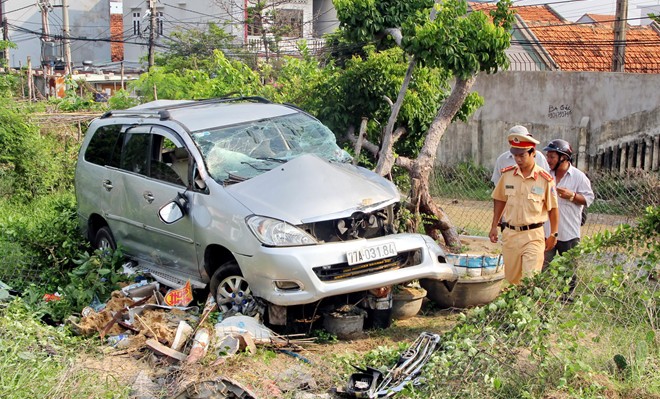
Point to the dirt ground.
(473, 218)
(267, 373)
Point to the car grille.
(341, 271)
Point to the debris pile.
(139, 316)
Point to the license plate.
(382, 251)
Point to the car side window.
(156, 153)
(135, 155)
(105, 146)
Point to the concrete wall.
(594, 111)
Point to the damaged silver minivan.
(247, 197)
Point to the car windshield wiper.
(278, 160)
(231, 179)
(255, 167)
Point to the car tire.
(104, 240)
(229, 288)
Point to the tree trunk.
(386, 154)
(421, 171)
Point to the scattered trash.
(295, 355)
(52, 297)
(139, 316)
(346, 322)
(96, 304)
(237, 325)
(179, 297)
(183, 332)
(164, 350)
(200, 346)
(227, 346)
(120, 341)
(140, 289)
(370, 383)
(219, 388)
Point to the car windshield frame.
(242, 151)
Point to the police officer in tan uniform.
(524, 198)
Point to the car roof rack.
(163, 111)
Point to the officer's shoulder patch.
(508, 168)
(547, 176)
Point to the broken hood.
(309, 189)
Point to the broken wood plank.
(164, 350)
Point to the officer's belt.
(522, 228)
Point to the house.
(108, 32)
(543, 40)
(282, 21)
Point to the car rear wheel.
(230, 289)
(104, 240)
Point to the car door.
(149, 182)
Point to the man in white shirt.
(506, 158)
(574, 192)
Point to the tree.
(194, 48)
(438, 34)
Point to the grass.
(39, 361)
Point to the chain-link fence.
(463, 191)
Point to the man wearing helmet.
(523, 200)
(506, 158)
(574, 192)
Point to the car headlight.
(276, 233)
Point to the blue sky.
(572, 10)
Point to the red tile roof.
(586, 47)
(590, 48)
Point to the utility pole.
(152, 32)
(44, 5)
(67, 36)
(620, 25)
(5, 33)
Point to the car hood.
(309, 189)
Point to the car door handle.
(107, 184)
(148, 196)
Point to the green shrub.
(31, 164)
(94, 278)
(46, 232)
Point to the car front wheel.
(230, 289)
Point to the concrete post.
(582, 161)
(656, 153)
(624, 158)
(631, 155)
(648, 144)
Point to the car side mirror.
(171, 212)
(175, 210)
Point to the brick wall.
(116, 34)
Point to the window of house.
(159, 23)
(289, 22)
(136, 24)
(255, 23)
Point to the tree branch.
(396, 35)
(404, 162)
(386, 159)
(366, 144)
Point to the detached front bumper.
(300, 275)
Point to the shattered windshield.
(240, 152)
